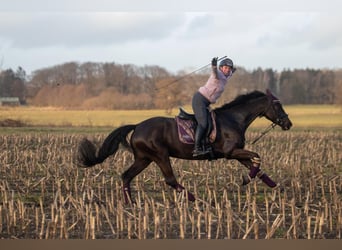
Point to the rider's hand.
(214, 62)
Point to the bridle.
(279, 119)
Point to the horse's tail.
(87, 151)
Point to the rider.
(206, 95)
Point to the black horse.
(156, 140)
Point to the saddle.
(186, 124)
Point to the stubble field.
(44, 195)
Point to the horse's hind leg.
(136, 168)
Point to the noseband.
(279, 120)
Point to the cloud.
(34, 30)
(175, 5)
(325, 32)
(314, 30)
(174, 40)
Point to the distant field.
(302, 116)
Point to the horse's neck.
(246, 114)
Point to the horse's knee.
(256, 161)
(255, 168)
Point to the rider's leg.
(200, 107)
(199, 147)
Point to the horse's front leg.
(252, 161)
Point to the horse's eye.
(277, 106)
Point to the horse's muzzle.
(284, 122)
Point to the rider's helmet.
(227, 62)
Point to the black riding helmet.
(227, 62)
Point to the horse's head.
(276, 113)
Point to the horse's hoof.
(191, 197)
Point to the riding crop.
(181, 78)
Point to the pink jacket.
(214, 87)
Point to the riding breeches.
(200, 106)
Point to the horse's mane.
(241, 99)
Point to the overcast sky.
(176, 34)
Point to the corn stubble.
(43, 195)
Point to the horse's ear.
(270, 94)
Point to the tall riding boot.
(199, 149)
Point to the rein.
(268, 129)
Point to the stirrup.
(199, 152)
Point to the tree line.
(116, 86)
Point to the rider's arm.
(214, 67)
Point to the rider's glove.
(214, 62)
